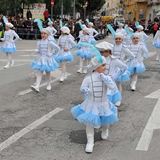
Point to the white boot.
(12, 63)
(35, 87)
(90, 143)
(104, 133)
(118, 103)
(85, 71)
(62, 77)
(133, 86)
(48, 88)
(6, 66)
(65, 76)
(80, 70)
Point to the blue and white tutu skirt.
(67, 56)
(157, 45)
(84, 55)
(44, 64)
(93, 41)
(124, 77)
(95, 114)
(8, 47)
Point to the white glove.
(102, 76)
(49, 55)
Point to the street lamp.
(84, 8)
(62, 10)
(52, 5)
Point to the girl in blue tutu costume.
(84, 52)
(44, 61)
(122, 53)
(66, 43)
(114, 68)
(96, 111)
(93, 33)
(156, 44)
(9, 44)
(137, 66)
(52, 30)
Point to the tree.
(92, 7)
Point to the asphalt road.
(40, 126)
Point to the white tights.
(158, 52)
(134, 77)
(119, 86)
(9, 57)
(64, 66)
(39, 76)
(90, 130)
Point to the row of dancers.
(111, 65)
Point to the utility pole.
(74, 9)
(52, 5)
(62, 10)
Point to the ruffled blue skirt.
(115, 97)
(91, 119)
(8, 50)
(124, 77)
(44, 64)
(61, 58)
(83, 55)
(136, 69)
(157, 45)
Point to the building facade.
(153, 9)
(135, 9)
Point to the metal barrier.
(28, 33)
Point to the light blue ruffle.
(83, 54)
(135, 69)
(114, 98)
(90, 119)
(93, 41)
(123, 78)
(8, 50)
(156, 45)
(62, 58)
(42, 68)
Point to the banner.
(36, 13)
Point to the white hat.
(140, 27)
(45, 30)
(50, 22)
(86, 30)
(103, 46)
(130, 29)
(90, 23)
(120, 24)
(10, 25)
(83, 25)
(119, 35)
(136, 35)
(94, 63)
(65, 30)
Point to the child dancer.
(84, 52)
(143, 36)
(52, 30)
(156, 44)
(65, 43)
(137, 66)
(112, 64)
(9, 44)
(44, 61)
(93, 33)
(121, 52)
(96, 110)
(120, 29)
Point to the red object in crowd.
(52, 3)
(155, 27)
(46, 14)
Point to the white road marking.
(17, 60)
(28, 55)
(2, 68)
(56, 74)
(29, 128)
(153, 123)
(26, 50)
